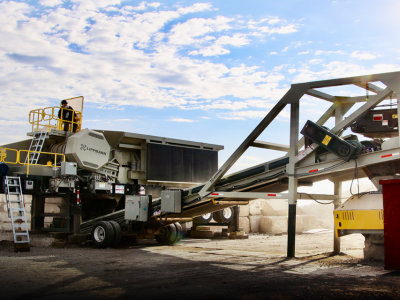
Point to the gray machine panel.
(137, 208)
(68, 168)
(171, 201)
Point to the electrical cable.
(355, 175)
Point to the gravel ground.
(195, 269)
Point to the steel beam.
(320, 95)
(272, 146)
(362, 160)
(269, 195)
(243, 147)
(375, 100)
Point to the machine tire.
(224, 215)
(169, 236)
(203, 219)
(102, 234)
(117, 234)
(179, 232)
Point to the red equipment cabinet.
(391, 223)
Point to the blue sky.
(200, 71)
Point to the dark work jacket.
(67, 114)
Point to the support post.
(337, 203)
(236, 212)
(337, 184)
(292, 196)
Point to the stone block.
(244, 210)
(255, 223)
(245, 224)
(309, 222)
(276, 207)
(273, 224)
(255, 208)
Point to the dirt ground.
(256, 268)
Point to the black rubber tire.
(169, 236)
(102, 234)
(221, 217)
(203, 219)
(179, 232)
(117, 234)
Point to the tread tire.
(203, 220)
(102, 234)
(169, 237)
(219, 216)
(117, 234)
(179, 233)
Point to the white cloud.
(319, 52)
(181, 120)
(154, 4)
(50, 3)
(217, 49)
(185, 33)
(316, 61)
(362, 55)
(141, 6)
(280, 30)
(291, 71)
(273, 53)
(285, 49)
(304, 52)
(338, 69)
(127, 58)
(205, 118)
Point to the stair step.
(17, 209)
(21, 234)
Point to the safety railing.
(59, 118)
(15, 158)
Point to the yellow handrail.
(4, 155)
(41, 119)
(27, 163)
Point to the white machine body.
(89, 149)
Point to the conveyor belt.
(264, 175)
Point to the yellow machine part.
(360, 213)
(358, 220)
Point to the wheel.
(168, 236)
(179, 232)
(102, 234)
(203, 219)
(224, 216)
(117, 234)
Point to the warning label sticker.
(394, 117)
(326, 140)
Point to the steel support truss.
(340, 106)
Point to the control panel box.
(171, 201)
(68, 168)
(137, 208)
(28, 185)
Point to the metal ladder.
(36, 145)
(16, 209)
